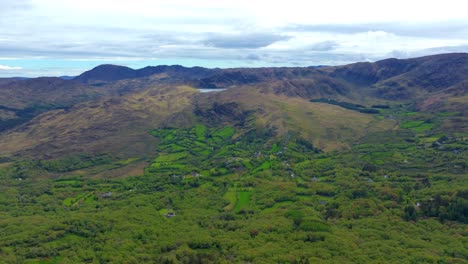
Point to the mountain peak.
(110, 72)
(107, 72)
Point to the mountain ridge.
(110, 72)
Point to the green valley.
(306, 166)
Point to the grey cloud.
(308, 58)
(253, 56)
(249, 40)
(101, 42)
(75, 42)
(99, 50)
(336, 28)
(447, 49)
(170, 38)
(324, 46)
(433, 30)
(401, 54)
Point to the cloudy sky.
(66, 37)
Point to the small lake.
(204, 90)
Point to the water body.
(204, 90)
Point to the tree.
(410, 213)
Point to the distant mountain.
(109, 73)
(403, 79)
(9, 79)
(389, 79)
(65, 77)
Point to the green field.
(418, 126)
(246, 199)
(243, 200)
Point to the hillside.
(22, 100)
(361, 163)
(19, 94)
(109, 125)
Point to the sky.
(67, 37)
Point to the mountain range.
(154, 94)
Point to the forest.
(224, 194)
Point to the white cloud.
(264, 12)
(9, 68)
(276, 33)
